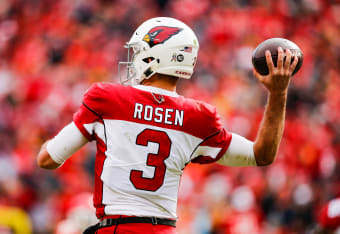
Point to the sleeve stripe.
(101, 118)
(219, 141)
(193, 152)
(207, 151)
(99, 129)
(83, 130)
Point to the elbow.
(45, 161)
(263, 163)
(264, 156)
(264, 160)
(41, 162)
(47, 164)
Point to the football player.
(146, 133)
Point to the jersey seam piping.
(212, 135)
(100, 118)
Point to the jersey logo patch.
(160, 34)
(158, 98)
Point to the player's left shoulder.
(105, 90)
(107, 87)
(101, 95)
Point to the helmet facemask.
(137, 56)
(130, 70)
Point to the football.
(259, 58)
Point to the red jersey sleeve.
(213, 147)
(88, 113)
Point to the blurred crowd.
(52, 51)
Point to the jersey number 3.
(153, 160)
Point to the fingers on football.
(293, 65)
(287, 61)
(280, 58)
(269, 61)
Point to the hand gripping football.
(259, 58)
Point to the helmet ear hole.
(148, 59)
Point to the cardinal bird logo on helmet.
(160, 34)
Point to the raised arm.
(271, 129)
(262, 152)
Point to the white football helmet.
(160, 45)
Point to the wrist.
(278, 94)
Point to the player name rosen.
(158, 114)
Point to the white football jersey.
(145, 137)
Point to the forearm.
(271, 129)
(276, 82)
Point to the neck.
(162, 81)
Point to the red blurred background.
(52, 51)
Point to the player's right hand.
(277, 81)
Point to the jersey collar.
(156, 90)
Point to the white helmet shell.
(162, 45)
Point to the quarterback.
(146, 133)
